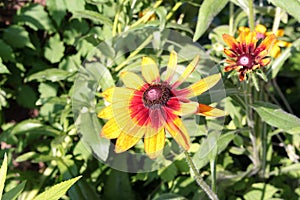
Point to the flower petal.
(265, 61)
(126, 141)
(200, 87)
(188, 70)
(230, 53)
(178, 131)
(186, 109)
(171, 67)
(150, 70)
(154, 144)
(266, 43)
(230, 67)
(110, 130)
(209, 111)
(132, 80)
(230, 41)
(275, 51)
(260, 28)
(108, 94)
(106, 113)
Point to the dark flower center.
(246, 60)
(156, 95)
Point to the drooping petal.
(230, 41)
(132, 80)
(111, 129)
(125, 141)
(200, 87)
(188, 70)
(281, 43)
(265, 61)
(242, 74)
(209, 111)
(171, 67)
(106, 113)
(230, 53)
(230, 67)
(260, 28)
(154, 144)
(150, 70)
(178, 131)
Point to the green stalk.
(231, 18)
(276, 21)
(251, 15)
(213, 175)
(177, 5)
(199, 179)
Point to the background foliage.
(42, 48)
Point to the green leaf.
(54, 50)
(53, 75)
(275, 116)
(57, 191)
(14, 192)
(17, 37)
(75, 5)
(170, 196)
(208, 10)
(168, 173)
(3, 68)
(94, 16)
(290, 6)
(243, 4)
(26, 96)
(261, 191)
(34, 16)
(57, 10)
(6, 52)
(3, 172)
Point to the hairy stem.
(251, 15)
(199, 179)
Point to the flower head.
(246, 53)
(262, 33)
(150, 106)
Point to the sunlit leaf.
(291, 6)
(17, 37)
(52, 74)
(94, 16)
(275, 116)
(57, 191)
(57, 10)
(54, 49)
(3, 171)
(14, 192)
(208, 10)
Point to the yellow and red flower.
(149, 107)
(245, 54)
(262, 33)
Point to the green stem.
(251, 15)
(213, 175)
(231, 18)
(199, 179)
(171, 13)
(276, 21)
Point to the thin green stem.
(277, 88)
(213, 175)
(251, 15)
(231, 18)
(199, 179)
(276, 21)
(175, 7)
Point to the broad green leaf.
(208, 10)
(74, 5)
(290, 6)
(57, 10)
(17, 37)
(34, 16)
(168, 173)
(6, 52)
(57, 191)
(26, 96)
(3, 171)
(3, 68)
(275, 116)
(260, 191)
(244, 4)
(53, 75)
(94, 16)
(54, 49)
(14, 192)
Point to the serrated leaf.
(53, 75)
(208, 10)
(14, 192)
(275, 116)
(17, 37)
(290, 6)
(3, 171)
(54, 49)
(57, 10)
(94, 16)
(34, 16)
(57, 191)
